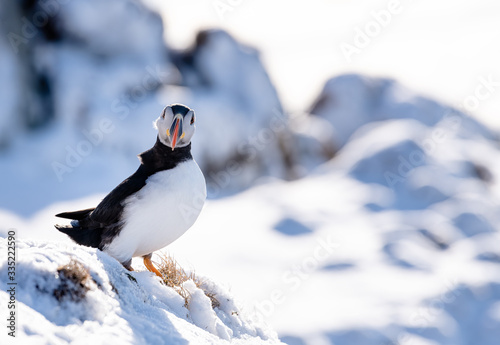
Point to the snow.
(119, 306)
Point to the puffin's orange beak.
(175, 131)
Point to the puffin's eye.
(192, 119)
(163, 114)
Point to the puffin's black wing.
(110, 209)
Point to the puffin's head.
(176, 125)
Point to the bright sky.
(438, 48)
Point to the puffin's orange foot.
(150, 267)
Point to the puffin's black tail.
(86, 234)
(85, 237)
(77, 215)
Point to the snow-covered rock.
(67, 293)
(106, 67)
(350, 101)
(9, 73)
(75, 62)
(240, 118)
(81, 83)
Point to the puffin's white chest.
(159, 213)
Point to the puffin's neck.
(161, 157)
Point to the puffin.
(155, 205)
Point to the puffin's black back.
(97, 227)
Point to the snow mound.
(350, 101)
(395, 240)
(66, 293)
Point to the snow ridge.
(107, 304)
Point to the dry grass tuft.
(74, 281)
(174, 275)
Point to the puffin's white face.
(176, 125)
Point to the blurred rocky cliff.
(81, 89)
